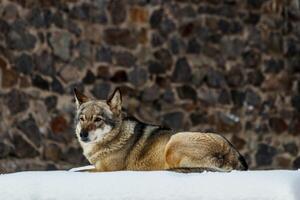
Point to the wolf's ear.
(115, 101)
(80, 97)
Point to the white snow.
(157, 185)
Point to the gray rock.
(16, 101)
(31, 130)
(252, 98)
(173, 120)
(22, 149)
(24, 63)
(44, 63)
(60, 42)
(101, 90)
(264, 155)
(150, 93)
(104, 54)
(182, 72)
(187, 92)
(138, 76)
(20, 40)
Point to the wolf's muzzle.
(84, 135)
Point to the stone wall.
(229, 66)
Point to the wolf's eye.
(81, 118)
(97, 119)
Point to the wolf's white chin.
(99, 133)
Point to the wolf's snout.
(84, 135)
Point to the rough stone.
(138, 76)
(103, 72)
(193, 46)
(151, 93)
(89, 78)
(22, 149)
(24, 63)
(9, 78)
(40, 82)
(20, 40)
(155, 67)
(274, 66)
(215, 79)
(182, 72)
(164, 57)
(120, 37)
(138, 15)
(255, 78)
(238, 97)
(31, 130)
(277, 124)
(124, 58)
(199, 118)
(235, 77)
(60, 42)
(156, 18)
(104, 54)
(16, 101)
(295, 100)
(252, 98)
(224, 97)
(44, 63)
(251, 58)
(119, 77)
(291, 148)
(5, 149)
(187, 92)
(117, 9)
(51, 102)
(52, 152)
(56, 86)
(156, 39)
(173, 120)
(264, 155)
(168, 96)
(294, 126)
(101, 90)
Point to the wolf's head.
(97, 120)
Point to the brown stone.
(9, 78)
(283, 162)
(143, 36)
(103, 72)
(59, 124)
(24, 82)
(52, 152)
(139, 15)
(277, 124)
(121, 37)
(3, 63)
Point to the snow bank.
(259, 185)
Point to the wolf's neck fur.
(122, 134)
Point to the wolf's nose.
(84, 134)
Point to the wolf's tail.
(196, 169)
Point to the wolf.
(112, 141)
